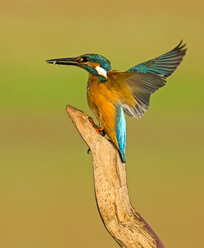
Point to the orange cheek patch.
(91, 64)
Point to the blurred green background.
(46, 178)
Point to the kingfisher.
(110, 93)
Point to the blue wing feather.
(163, 65)
(121, 131)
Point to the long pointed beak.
(63, 61)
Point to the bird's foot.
(98, 130)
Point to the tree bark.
(124, 224)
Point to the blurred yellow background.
(46, 179)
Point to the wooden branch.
(124, 224)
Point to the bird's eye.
(84, 59)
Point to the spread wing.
(163, 65)
(134, 90)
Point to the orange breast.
(102, 102)
(104, 98)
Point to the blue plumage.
(121, 131)
(163, 65)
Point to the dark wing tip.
(181, 47)
(172, 58)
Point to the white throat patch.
(101, 71)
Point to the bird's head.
(95, 64)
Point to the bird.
(111, 93)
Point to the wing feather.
(136, 86)
(163, 65)
(142, 86)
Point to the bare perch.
(124, 224)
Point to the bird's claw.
(98, 130)
(101, 131)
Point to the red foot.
(98, 130)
